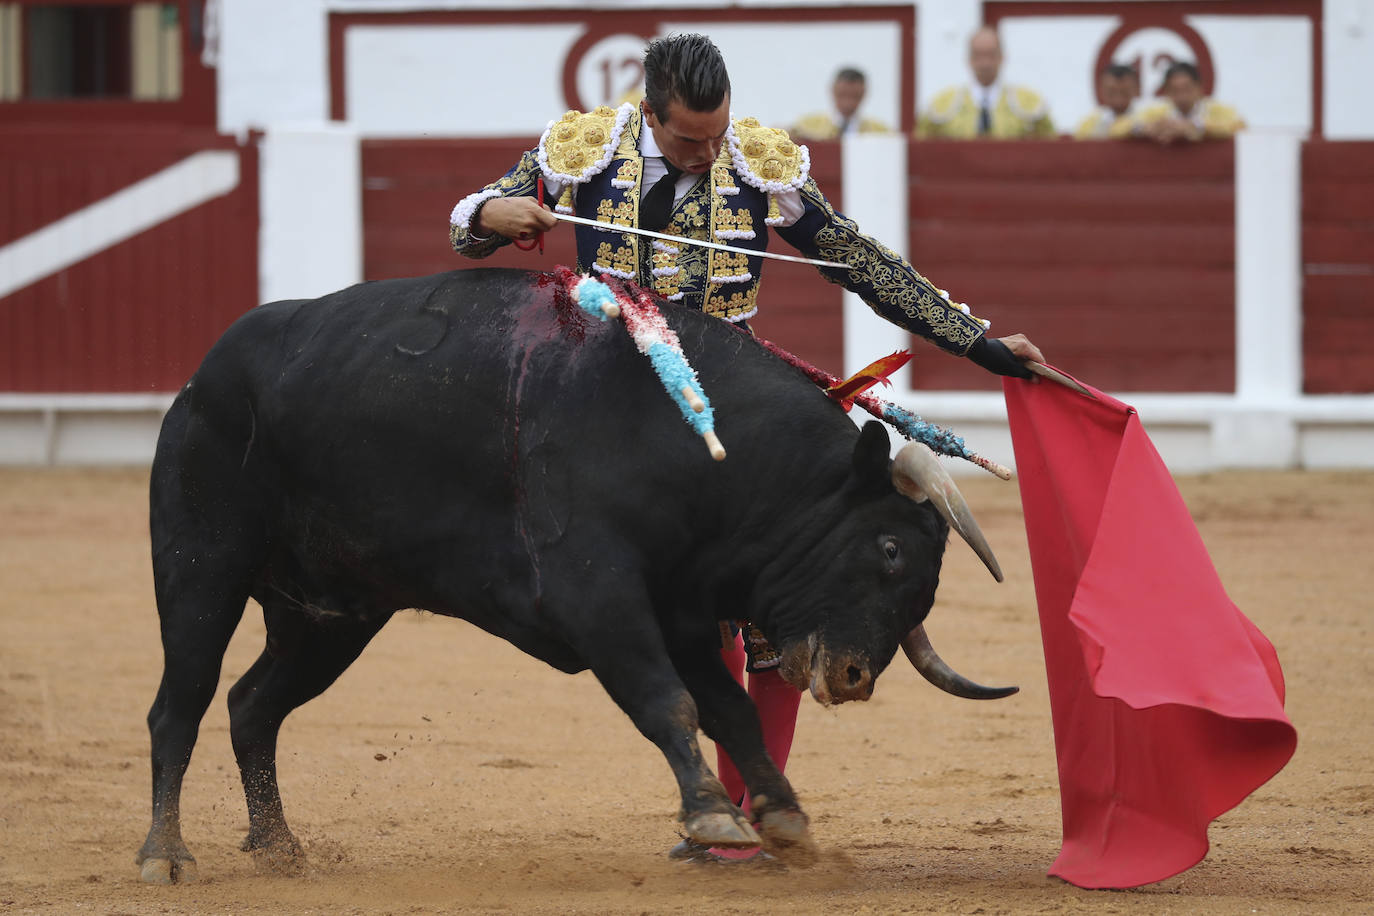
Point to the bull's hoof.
(697, 854)
(168, 871)
(279, 861)
(691, 851)
(715, 828)
(786, 836)
(283, 858)
(275, 849)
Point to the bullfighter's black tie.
(984, 120)
(657, 205)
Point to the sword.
(679, 240)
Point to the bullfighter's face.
(690, 140)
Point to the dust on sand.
(446, 772)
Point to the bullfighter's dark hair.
(1121, 71)
(1183, 66)
(850, 75)
(687, 69)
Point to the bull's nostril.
(856, 676)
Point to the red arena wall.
(138, 315)
(1119, 257)
(1338, 266)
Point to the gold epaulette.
(580, 144)
(766, 157)
(815, 126)
(1025, 103)
(1219, 118)
(946, 105)
(1155, 111)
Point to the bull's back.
(455, 431)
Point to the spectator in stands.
(1185, 114)
(986, 108)
(1118, 86)
(847, 94)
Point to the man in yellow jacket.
(1118, 85)
(847, 92)
(1186, 114)
(987, 107)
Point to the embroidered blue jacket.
(594, 160)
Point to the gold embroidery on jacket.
(618, 260)
(621, 213)
(729, 266)
(627, 176)
(733, 224)
(733, 307)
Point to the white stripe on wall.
(195, 180)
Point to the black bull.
(474, 445)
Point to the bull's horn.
(918, 474)
(933, 668)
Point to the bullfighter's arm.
(520, 181)
(881, 277)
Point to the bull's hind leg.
(301, 660)
(207, 545)
(200, 607)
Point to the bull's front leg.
(633, 665)
(728, 717)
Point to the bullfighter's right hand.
(1005, 355)
(513, 217)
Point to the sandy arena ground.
(446, 772)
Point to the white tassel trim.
(742, 278)
(607, 151)
(728, 190)
(665, 247)
(666, 271)
(734, 233)
(747, 315)
(601, 268)
(773, 220)
(462, 213)
(675, 297)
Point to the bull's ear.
(872, 453)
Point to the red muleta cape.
(1167, 702)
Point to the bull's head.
(843, 600)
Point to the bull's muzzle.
(831, 677)
(840, 678)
